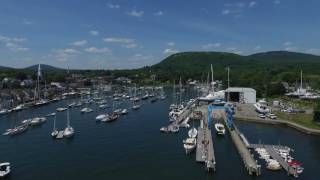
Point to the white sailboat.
(135, 106)
(38, 101)
(189, 145)
(54, 132)
(192, 133)
(68, 131)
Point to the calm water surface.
(133, 147)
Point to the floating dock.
(271, 151)
(205, 150)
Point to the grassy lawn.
(300, 118)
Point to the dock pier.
(271, 151)
(205, 150)
(242, 146)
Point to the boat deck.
(60, 135)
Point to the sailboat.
(68, 131)
(135, 104)
(38, 101)
(54, 132)
(17, 129)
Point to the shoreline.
(293, 125)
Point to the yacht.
(261, 107)
(38, 121)
(16, 130)
(189, 145)
(86, 110)
(5, 169)
(124, 111)
(54, 132)
(220, 128)
(60, 109)
(68, 131)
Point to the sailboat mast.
(54, 122)
(228, 83)
(38, 80)
(68, 118)
(301, 79)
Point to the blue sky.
(103, 34)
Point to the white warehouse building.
(241, 95)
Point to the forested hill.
(255, 70)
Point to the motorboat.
(5, 169)
(51, 114)
(60, 109)
(189, 145)
(72, 105)
(220, 128)
(38, 121)
(86, 110)
(124, 111)
(135, 107)
(17, 130)
(261, 107)
(19, 107)
(192, 133)
(117, 111)
(101, 116)
(4, 111)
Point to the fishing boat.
(220, 128)
(60, 109)
(124, 111)
(68, 131)
(189, 145)
(54, 132)
(192, 133)
(38, 121)
(5, 169)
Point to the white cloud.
(11, 45)
(287, 43)
(291, 48)
(94, 33)
(258, 47)
(231, 49)
(135, 13)
(225, 12)
(131, 46)
(171, 44)
(236, 5)
(113, 6)
(170, 51)
(252, 3)
(276, 2)
(118, 40)
(63, 54)
(159, 13)
(27, 22)
(79, 43)
(70, 50)
(211, 45)
(20, 49)
(98, 50)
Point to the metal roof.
(240, 89)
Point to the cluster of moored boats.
(273, 164)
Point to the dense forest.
(262, 71)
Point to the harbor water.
(133, 148)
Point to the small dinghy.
(5, 169)
(220, 128)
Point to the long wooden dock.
(205, 150)
(248, 159)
